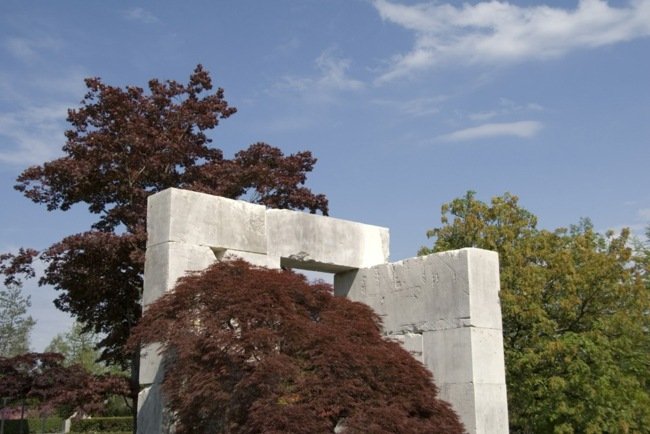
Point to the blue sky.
(407, 105)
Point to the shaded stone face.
(443, 308)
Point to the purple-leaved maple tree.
(42, 380)
(252, 350)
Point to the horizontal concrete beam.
(298, 239)
(322, 243)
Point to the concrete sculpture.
(443, 308)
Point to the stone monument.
(444, 308)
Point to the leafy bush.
(257, 350)
(102, 424)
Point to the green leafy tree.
(123, 145)
(576, 323)
(15, 323)
(79, 347)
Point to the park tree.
(248, 349)
(123, 145)
(15, 323)
(42, 381)
(576, 321)
(79, 347)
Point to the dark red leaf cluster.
(43, 380)
(255, 350)
(101, 278)
(13, 266)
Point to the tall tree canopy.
(257, 350)
(576, 318)
(123, 145)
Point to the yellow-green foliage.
(576, 309)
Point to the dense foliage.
(42, 381)
(576, 317)
(125, 144)
(101, 425)
(255, 350)
(15, 323)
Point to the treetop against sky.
(406, 105)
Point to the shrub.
(255, 350)
(102, 424)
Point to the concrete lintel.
(324, 243)
(203, 219)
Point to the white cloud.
(334, 72)
(34, 111)
(333, 77)
(34, 132)
(28, 49)
(416, 107)
(498, 32)
(142, 15)
(505, 107)
(522, 129)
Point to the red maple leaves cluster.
(44, 382)
(255, 350)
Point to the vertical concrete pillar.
(445, 309)
(187, 232)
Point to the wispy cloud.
(142, 15)
(498, 32)
(35, 133)
(29, 49)
(505, 107)
(416, 107)
(333, 76)
(33, 118)
(522, 129)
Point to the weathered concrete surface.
(201, 219)
(450, 301)
(324, 243)
(443, 308)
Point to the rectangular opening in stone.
(315, 276)
(310, 265)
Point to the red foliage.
(12, 266)
(255, 350)
(42, 378)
